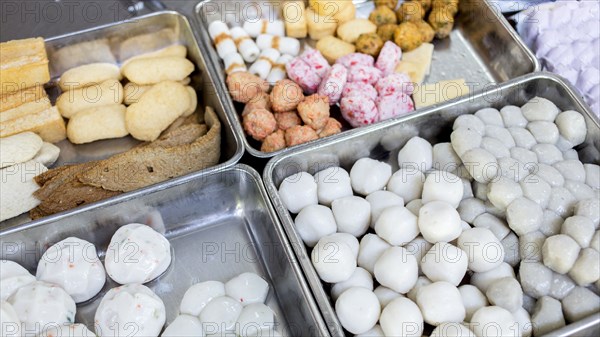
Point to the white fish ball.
(402, 317)
(528, 303)
(247, 288)
(467, 188)
(580, 303)
(418, 247)
(563, 144)
(490, 116)
(586, 269)
(493, 321)
(439, 222)
(547, 316)
(183, 325)
(443, 186)
(380, 200)
(495, 211)
(445, 158)
(332, 183)
(397, 225)
(421, 282)
(547, 153)
(562, 202)
(473, 299)
(494, 224)
(544, 132)
(570, 154)
(550, 175)
(571, 169)
(501, 134)
(348, 239)
(592, 175)
(523, 138)
(512, 116)
(530, 246)
(470, 209)
(352, 215)
(416, 154)
(483, 249)
(471, 122)
(579, 190)
(480, 190)
(536, 189)
(314, 222)
(561, 286)
(199, 295)
(560, 253)
(358, 310)
(333, 260)
(495, 147)
(375, 332)
(524, 216)
(464, 139)
(481, 164)
(385, 295)
(512, 254)
(502, 192)
(256, 319)
(407, 183)
(571, 125)
(445, 262)
(220, 315)
(371, 248)
(441, 302)
(483, 280)
(450, 329)
(580, 229)
(524, 321)
(414, 206)
(527, 157)
(595, 243)
(551, 223)
(506, 293)
(536, 279)
(589, 208)
(369, 175)
(540, 109)
(298, 191)
(397, 269)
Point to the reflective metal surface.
(383, 141)
(219, 225)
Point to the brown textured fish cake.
(286, 120)
(274, 142)
(314, 111)
(259, 123)
(386, 32)
(244, 86)
(389, 3)
(300, 135)
(408, 36)
(442, 21)
(332, 127)
(286, 95)
(260, 101)
(382, 15)
(410, 12)
(369, 44)
(427, 32)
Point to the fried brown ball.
(286, 95)
(259, 123)
(300, 135)
(410, 12)
(244, 86)
(426, 4)
(427, 32)
(386, 32)
(333, 127)
(442, 22)
(450, 5)
(388, 3)
(408, 36)
(286, 120)
(261, 101)
(274, 142)
(382, 15)
(369, 44)
(314, 111)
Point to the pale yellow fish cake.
(71, 102)
(157, 69)
(104, 122)
(333, 48)
(88, 74)
(351, 30)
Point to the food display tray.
(219, 225)
(383, 141)
(483, 49)
(231, 144)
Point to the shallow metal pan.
(113, 34)
(383, 141)
(483, 49)
(219, 225)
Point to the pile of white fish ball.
(500, 227)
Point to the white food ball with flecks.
(199, 295)
(406, 183)
(183, 326)
(12, 277)
(445, 262)
(247, 288)
(220, 315)
(333, 259)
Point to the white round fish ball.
(540, 109)
(561, 286)
(358, 310)
(494, 224)
(220, 315)
(524, 216)
(414, 206)
(416, 154)
(247, 288)
(443, 186)
(580, 228)
(385, 295)
(595, 243)
(467, 188)
(402, 317)
(536, 189)
(570, 154)
(452, 330)
(407, 183)
(10, 324)
(579, 190)
(333, 260)
(527, 157)
(375, 332)
(298, 191)
(439, 222)
(571, 125)
(592, 175)
(421, 282)
(360, 278)
(397, 269)
(397, 225)
(586, 269)
(483, 280)
(506, 293)
(493, 321)
(480, 190)
(348, 239)
(445, 158)
(368, 175)
(528, 303)
(255, 319)
(471, 122)
(418, 247)
(314, 222)
(182, 326)
(550, 175)
(371, 248)
(464, 139)
(332, 183)
(523, 138)
(12, 277)
(73, 330)
(571, 169)
(562, 202)
(580, 303)
(536, 279)
(551, 223)
(524, 322)
(490, 116)
(471, 208)
(441, 302)
(512, 116)
(445, 262)
(563, 144)
(381, 200)
(512, 254)
(530, 246)
(589, 208)
(481, 164)
(495, 147)
(547, 153)
(352, 215)
(560, 253)
(199, 295)
(502, 192)
(501, 134)
(544, 132)
(495, 211)
(547, 316)
(473, 299)
(484, 250)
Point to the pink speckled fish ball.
(359, 88)
(389, 57)
(356, 59)
(395, 83)
(359, 111)
(360, 73)
(333, 83)
(301, 73)
(316, 61)
(394, 105)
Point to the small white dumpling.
(572, 127)
(547, 153)
(10, 324)
(540, 109)
(490, 116)
(12, 277)
(381, 200)
(255, 319)
(500, 319)
(445, 158)
(298, 191)
(199, 295)
(358, 310)
(385, 295)
(184, 326)
(352, 215)
(397, 225)
(397, 269)
(512, 116)
(360, 278)
(473, 299)
(463, 140)
(451, 329)
(503, 191)
(471, 122)
(417, 154)
(402, 317)
(592, 176)
(220, 315)
(445, 262)
(439, 222)
(443, 186)
(369, 175)
(408, 184)
(441, 302)
(247, 288)
(332, 183)
(68, 330)
(484, 250)
(571, 170)
(524, 216)
(375, 332)
(370, 249)
(544, 132)
(481, 164)
(314, 222)
(560, 253)
(333, 259)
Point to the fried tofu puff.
(442, 22)
(382, 15)
(427, 32)
(274, 142)
(314, 111)
(259, 123)
(388, 3)
(369, 44)
(300, 135)
(408, 36)
(386, 32)
(286, 95)
(410, 12)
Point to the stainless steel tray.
(483, 49)
(219, 225)
(181, 32)
(383, 141)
